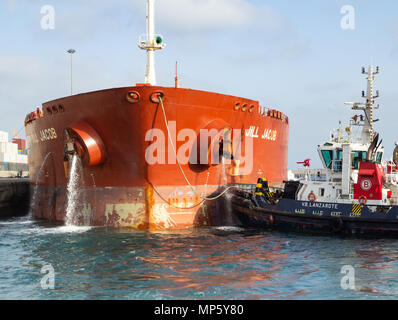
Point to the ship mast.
(367, 107)
(150, 42)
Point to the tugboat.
(358, 193)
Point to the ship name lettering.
(317, 213)
(269, 135)
(300, 211)
(252, 132)
(48, 134)
(323, 205)
(335, 214)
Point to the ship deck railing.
(274, 113)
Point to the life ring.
(362, 200)
(312, 197)
(337, 224)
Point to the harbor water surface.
(211, 263)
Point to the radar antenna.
(368, 107)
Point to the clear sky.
(287, 54)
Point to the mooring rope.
(180, 167)
(173, 205)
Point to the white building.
(11, 160)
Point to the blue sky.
(292, 55)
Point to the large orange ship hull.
(119, 187)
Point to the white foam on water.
(69, 229)
(55, 230)
(17, 222)
(230, 228)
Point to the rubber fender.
(91, 141)
(217, 130)
(337, 224)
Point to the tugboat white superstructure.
(356, 194)
(341, 157)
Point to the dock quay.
(14, 197)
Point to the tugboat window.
(337, 163)
(379, 156)
(358, 156)
(327, 157)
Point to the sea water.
(209, 263)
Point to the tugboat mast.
(150, 42)
(368, 107)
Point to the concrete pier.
(14, 197)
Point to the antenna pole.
(71, 52)
(367, 107)
(150, 76)
(368, 132)
(176, 78)
(150, 42)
